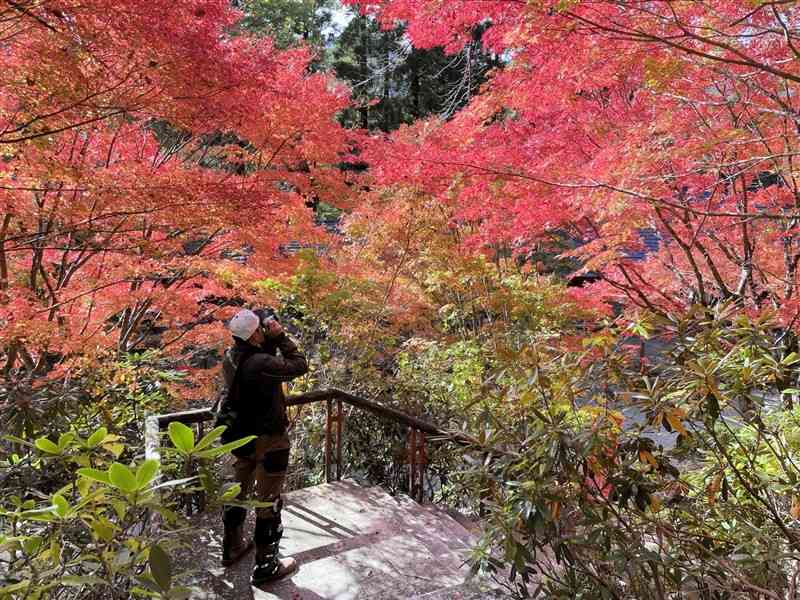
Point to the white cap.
(244, 324)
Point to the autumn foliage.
(610, 120)
(144, 149)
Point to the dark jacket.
(256, 398)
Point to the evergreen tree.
(291, 22)
(407, 83)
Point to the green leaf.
(210, 438)
(17, 440)
(182, 437)
(115, 448)
(103, 530)
(790, 359)
(80, 580)
(122, 477)
(15, 587)
(97, 437)
(47, 446)
(215, 452)
(232, 492)
(95, 475)
(146, 472)
(65, 439)
(120, 508)
(32, 544)
(82, 460)
(61, 505)
(64, 490)
(160, 567)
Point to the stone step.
(352, 543)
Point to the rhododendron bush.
(146, 154)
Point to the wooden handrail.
(154, 424)
(201, 415)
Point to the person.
(261, 358)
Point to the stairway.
(352, 542)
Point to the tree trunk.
(3, 263)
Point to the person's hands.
(272, 328)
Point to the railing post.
(328, 423)
(412, 460)
(423, 463)
(339, 426)
(417, 459)
(152, 443)
(338, 418)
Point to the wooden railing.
(419, 431)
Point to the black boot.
(269, 567)
(234, 546)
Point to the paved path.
(352, 543)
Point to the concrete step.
(470, 590)
(352, 543)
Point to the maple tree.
(610, 118)
(144, 149)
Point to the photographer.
(261, 359)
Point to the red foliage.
(612, 117)
(141, 143)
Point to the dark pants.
(263, 473)
(261, 476)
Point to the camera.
(265, 314)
